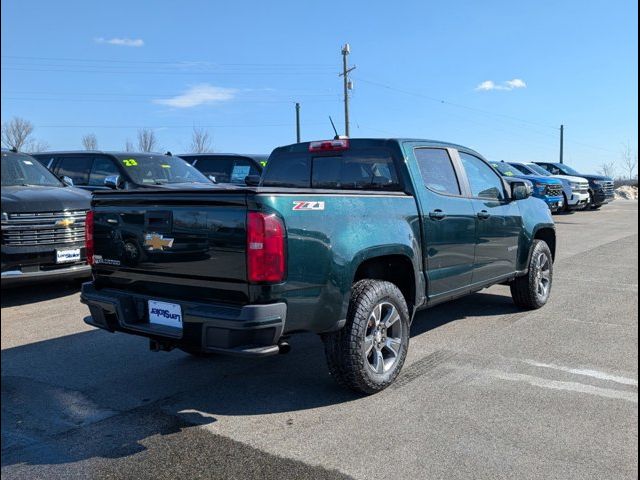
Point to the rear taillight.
(265, 248)
(329, 145)
(88, 237)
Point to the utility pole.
(561, 143)
(347, 84)
(297, 122)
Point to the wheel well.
(548, 235)
(397, 269)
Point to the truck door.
(447, 221)
(498, 221)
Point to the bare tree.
(35, 146)
(128, 146)
(147, 140)
(90, 141)
(201, 141)
(608, 169)
(16, 133)
(629, 160)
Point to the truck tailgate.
(180, 244)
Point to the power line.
(169, 62)
(479, 110)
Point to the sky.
(496, 76)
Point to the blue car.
(548, 189)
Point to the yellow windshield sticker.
(263, 163)
(130, 162)
(165, 166)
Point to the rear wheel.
(369, 352)
(532, 290)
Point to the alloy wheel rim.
(543, 276)
(383, 338)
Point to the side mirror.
(68, 181)
(521, 190)
(212, 178)
(114, 182)
(252, 180)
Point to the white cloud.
(489, 85)
(122, 42)
(201, 94)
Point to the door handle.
(483, 215)
(437, 215)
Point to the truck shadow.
(101, 395)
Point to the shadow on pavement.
(96, 394)
(33, 293)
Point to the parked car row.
(43, 209)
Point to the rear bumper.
(252, 330)
(19, 277)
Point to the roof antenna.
(168, 154)
(334, 128)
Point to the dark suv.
(227, 167)
(96, 170)
(600, 188)
(42, 223)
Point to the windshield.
(505, 169)
(569, 171)
(538, 170)
(160, 170)
(524, 169)
(24, 170)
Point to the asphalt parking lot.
(488, 391)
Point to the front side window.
(484, 181)
(103, 167)
(160, 170)
(227, 169)
(437, 170)
(77, 168)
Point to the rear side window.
(103, 167)
(355, 172)
(437, 170)
(76, 168)
(288, 171)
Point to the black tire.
(527, 291)
(591, 205)
(566, 208)
(350, 363)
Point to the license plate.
(64, 256)
(163, 313)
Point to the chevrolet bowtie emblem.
(65, 222)
(155, 241)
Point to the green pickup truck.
(346, 238)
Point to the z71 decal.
(304, 205)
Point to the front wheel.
(532, 290)
(369, 352)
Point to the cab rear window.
(350, 171)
